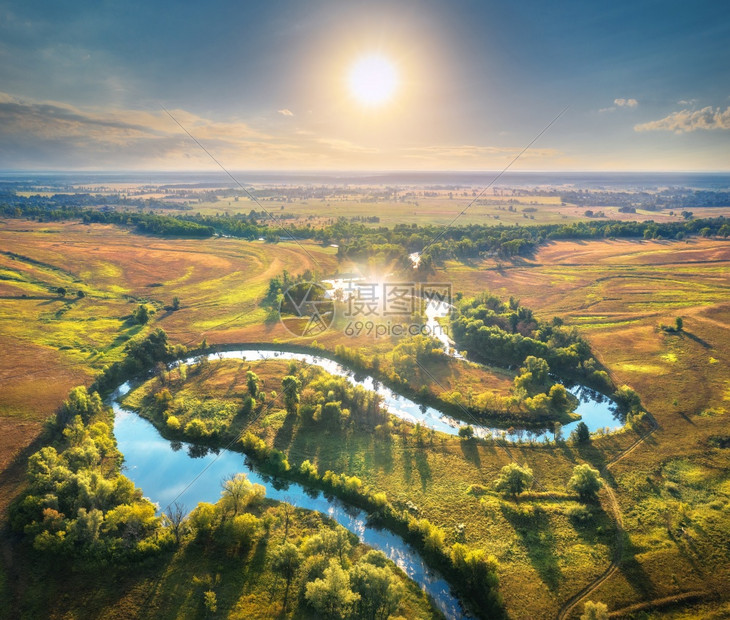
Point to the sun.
(373, 80)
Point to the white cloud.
(285, 112)
(626, 103)
(685, 121)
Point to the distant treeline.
(357, 241)
(679, 199)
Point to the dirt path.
(618, 551)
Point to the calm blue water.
(595, 410)
(169, 471)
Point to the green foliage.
(331, 595)
(240, 531)
(466, 432)
(378, 590)
(252, 383)
(581, 433)
(627, 399)
(142, 314)
(210, 602)
(173, 423)
(76, 502)
(334, 543)
(594, 611)
(291, 386)
(79, 403)
(491, 331)
(239, 493)
(197, 429)
(286, 561)
(585, 481)
(514, 479)
(534, 377)
(204, 519)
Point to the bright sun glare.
(373, 79)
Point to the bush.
(173, 423)
(514, 479)
(585, 481)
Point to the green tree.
(80, 294)
(175, 303)
(514, 479)
(594, 611)
(331, 596)
(379, 590)
(581, 433)
(61, 292)
(80, 403)
(329, 543)
(678, 324)
(291, 386)
(241, 530)
(252, 383)
(210, 602)
(560, 400)
(534, 377)
(204, 518)
(286, 561)
(238, 493)
(141, 315)
(585, 481)
(466, 432)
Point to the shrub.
(173, 423)
(585, 481)
(514, 479)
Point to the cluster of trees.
(77, 503)
(148, 223)
(538, 393)
(472, 572)
(359, 242)
(141, 354)
(507, 334)
(319, 565)
(515, 479)
(675, 198)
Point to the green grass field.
(672, 491)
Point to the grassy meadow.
(667, 512)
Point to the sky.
(102, 85)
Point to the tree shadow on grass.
(470, 450)
(383, 454)
(285, 434)
(697, 339)
(634, 572)
(532, 524)
(424, 469)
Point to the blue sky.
(263, 85)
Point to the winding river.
(169, 471)
(179, 471)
